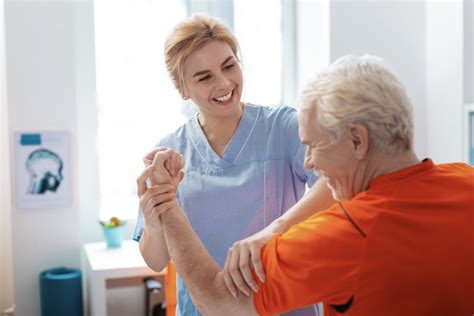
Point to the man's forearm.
(318, 198)
(199, 271)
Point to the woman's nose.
(222, 82)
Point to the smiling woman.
(137, 104)
(243, 162)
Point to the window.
(260, 39)
(136, 101)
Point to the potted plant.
(114, 231)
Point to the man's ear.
(360, 140)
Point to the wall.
(313, 39)
(41, 75)
(6, 269)
(469, 51)
(394, 30)
(51, 85)
(445, 69)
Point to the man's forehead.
(307, 114)
(309, 127)
(306, 123)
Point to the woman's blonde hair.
(362, 90)
(190, 35)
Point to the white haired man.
(398, 242)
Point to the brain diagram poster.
(42, 173)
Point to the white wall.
(445, 73)
(394, 30)
(42, 94)
(469, 51)
(6, 269)
(313, 39)
(51, 85)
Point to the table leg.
(97, 297)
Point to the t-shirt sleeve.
(138, 232)
(297, 149)
(312, 262)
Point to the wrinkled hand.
(164, 174)
(242, 257)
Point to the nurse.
(243, 162)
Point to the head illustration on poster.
(45, 170)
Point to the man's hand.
(148, 158)
(168, 164)
(241, 258)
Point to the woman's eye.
(229, 66)
(205, 78)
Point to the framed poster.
(42, 170)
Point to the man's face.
(334, 161)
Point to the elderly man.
(398, 242)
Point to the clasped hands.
(163, 172)
(163, 169)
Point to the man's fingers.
(141, 180)
(181, 161)
(177, 164)
(172, 164)
(161, 158)
(181, 175)
(245, 270)
(255, 256)
(148, 158)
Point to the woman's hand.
(165, 175)
(241, 258)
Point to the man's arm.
(318, 198)
(246, 254)
(199, 271)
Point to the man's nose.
(308, 163)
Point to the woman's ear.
(360, 140)
(182, 90)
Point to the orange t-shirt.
(403, 247)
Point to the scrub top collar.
(236, 144)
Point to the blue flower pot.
(114, 236)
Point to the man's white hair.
(362, 90)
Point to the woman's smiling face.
(213, 79)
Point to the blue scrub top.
(259, 176)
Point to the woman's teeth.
(224, 98)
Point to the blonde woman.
(243, 162)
